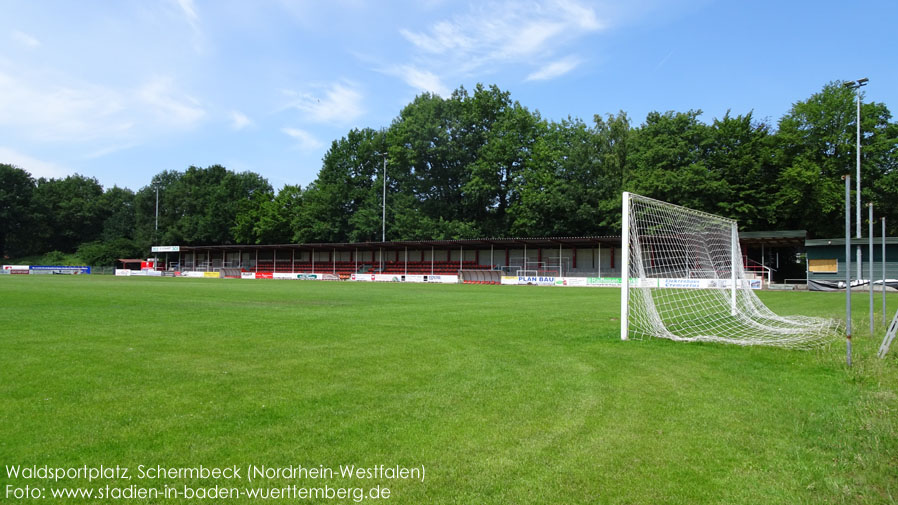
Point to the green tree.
(669, 160)
(817, 145)
(16, 190)
(119, 210)
(344, 203)
(268, 218)
(103, 253)
(67, 212)
(740, 155)
(198, 206)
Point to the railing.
(751, 266)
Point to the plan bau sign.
(166, 248)
(538, 280)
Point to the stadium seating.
(346, 268)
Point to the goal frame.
(649, 286)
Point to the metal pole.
(383, 229)
(858, 183)
(883, 220)
(848, 268)
(856, 85)
(870, 219)
(157, 211)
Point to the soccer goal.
(682, 279)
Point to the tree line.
(479, 164)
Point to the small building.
(826, 258)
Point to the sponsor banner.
(123, 272)
(59, 269)
(16, 269)
(537, 280)
(166, 248)
(443, 279)
(212, 275)
(264, 275)
(141, 273)
(247, 275)
(192, 275)
(511, 280)
(570, 281)
(303, 276)
(685, 283)
(605, 282)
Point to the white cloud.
(499, 33)
(37, 168)
(506, 32)
(169, 105)
(445, 36)
(554, 69)
(47, 108)
(53, 107)
(421, 80)
(25, 39)
(340, 103)
(189, 9)
(305, 140)
(239, 120)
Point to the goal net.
(683, 280)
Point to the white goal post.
(682, 279)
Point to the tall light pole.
(383, 218)
(855, 85)
(156, 229)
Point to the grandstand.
(590, 256)
(556, 256)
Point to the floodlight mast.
(383, 216)
(855, 85)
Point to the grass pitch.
(503, 394)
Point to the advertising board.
(59, 269)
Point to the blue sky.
(122, 90)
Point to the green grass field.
(504, 395)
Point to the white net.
(686, 282)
